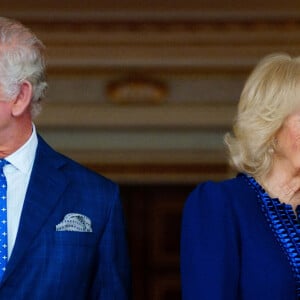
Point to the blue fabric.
(3, 219)
(284, 224)
(47, 264)
(228, 248)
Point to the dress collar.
(284, 224)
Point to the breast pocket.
(74, 255)
(74, 238)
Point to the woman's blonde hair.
(270, 94)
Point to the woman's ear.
(22, 101)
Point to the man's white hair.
(21, 58)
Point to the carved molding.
(137, 91)
(149, 11)
(89, 115)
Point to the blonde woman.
(241, 237)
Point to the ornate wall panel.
(140, 82)
(154, 214)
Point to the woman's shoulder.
(226, 193)
(229, 186)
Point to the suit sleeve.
(113, 277)
(209, 246)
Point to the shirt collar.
(23, 158)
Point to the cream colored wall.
(139, 84)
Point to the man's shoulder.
(70, 167)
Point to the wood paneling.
(154, 217)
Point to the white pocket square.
(75, 222)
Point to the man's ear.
(22, 101)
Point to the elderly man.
(61, 225)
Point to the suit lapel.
(45, 187)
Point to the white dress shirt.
(17, 174)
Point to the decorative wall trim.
(89, 115)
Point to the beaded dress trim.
(284, 224)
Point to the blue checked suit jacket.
(47, 264)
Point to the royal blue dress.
(238, 243)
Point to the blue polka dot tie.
(3, 219)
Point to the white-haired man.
(62, 230)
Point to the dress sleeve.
(209, 245)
